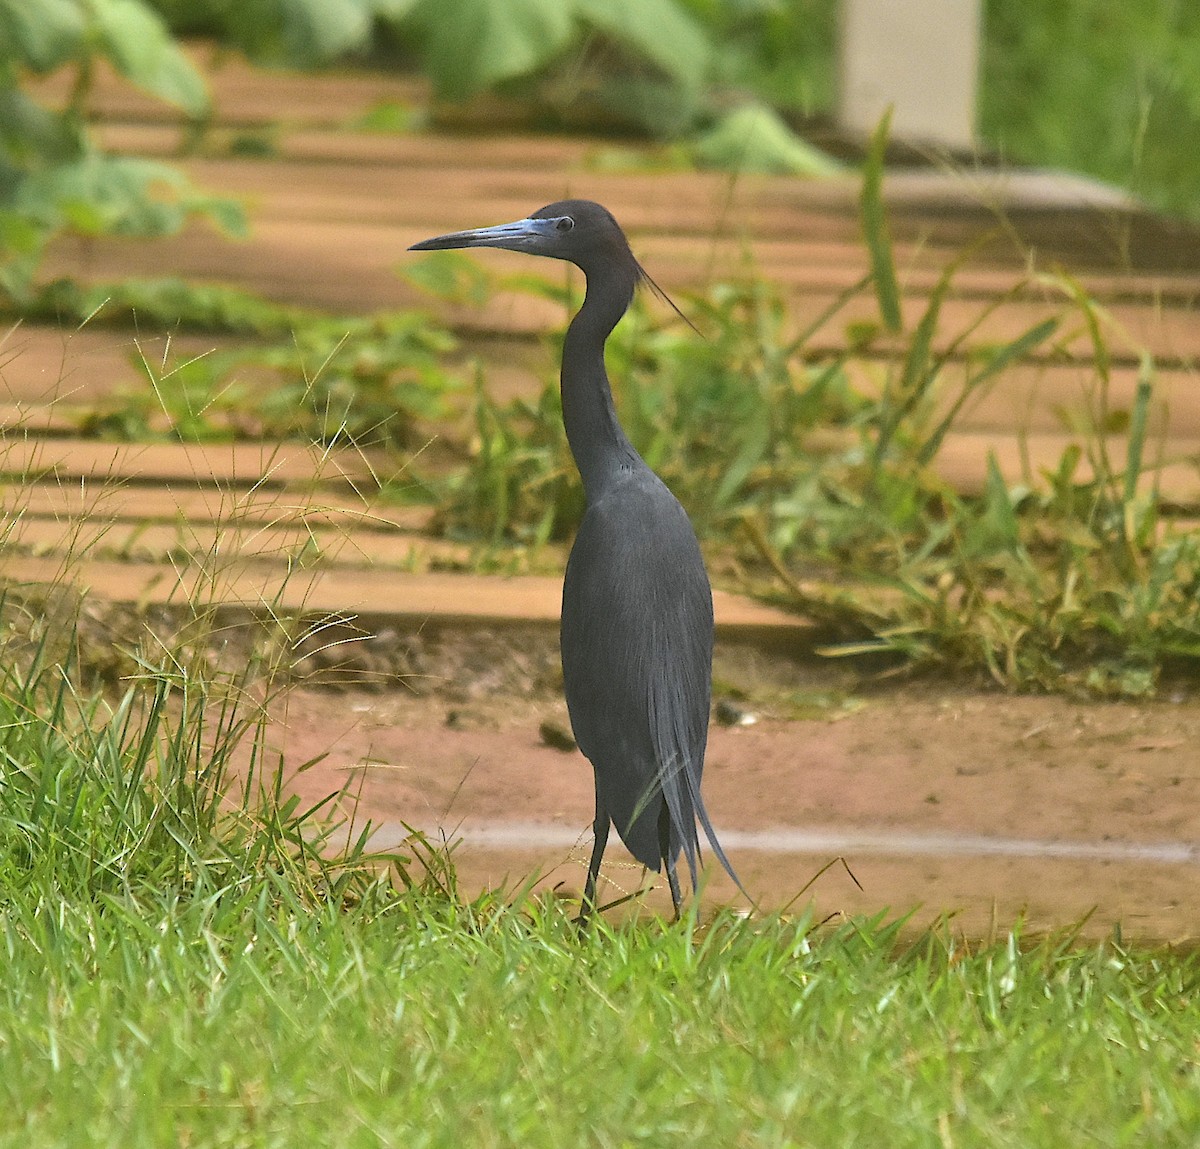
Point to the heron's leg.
(664, 848)
(600, 828)
(673, 882)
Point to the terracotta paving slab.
(193, 502)
(376, 592)
(240, 464)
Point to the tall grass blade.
(1137, 427)
(875, 230)
(1009, 353)
(839, 301)
(918, 374)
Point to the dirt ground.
(941, 798)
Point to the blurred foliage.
(52, 177)
(658, 66)
(298, 33)
(782, 51)
(1109, 89)
(753, 138)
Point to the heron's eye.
(564, 224)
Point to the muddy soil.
(942, 799)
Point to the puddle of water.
(539, 835)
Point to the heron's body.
(637, 619)
(637, 638)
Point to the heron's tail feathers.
(681, 790)
(711, 835)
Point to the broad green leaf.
(40, 34)
(874, 219)
(304, 33)
(31, 136)
(390, 117)
(227, 214)
(652, 102)
(659, 30)
(137, 41)
(394, 10)
(115, 195)
(100, 194)
(318, 30)
(19, 236)
(482, 42)
(755, 139)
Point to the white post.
(919, 56)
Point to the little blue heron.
(637, 616)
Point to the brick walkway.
(332, 212)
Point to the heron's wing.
(637, 662)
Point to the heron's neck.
(598, 443)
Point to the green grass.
(191, 958)
(294, 373)
(155, 1023)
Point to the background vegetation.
(52, 176)
(1113, 90)
(1108, 89)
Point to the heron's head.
(577, 230)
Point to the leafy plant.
(1086, 86)
(652, 65)
(52, 178)
(369, 380)
(784, 52)
(753, 138)
(298, 33)
(169, 302)
(1081, 586)
(520, 484)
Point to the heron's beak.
(523, 235)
